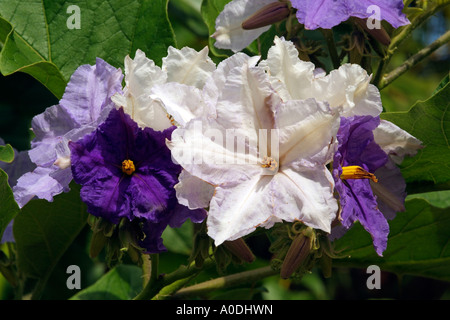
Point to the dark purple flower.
(127, 172)
(329, 13)
(357, 158)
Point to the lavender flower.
(127, 172)
(329, 13)
(243, 21)
(85, 104)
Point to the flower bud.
(378, 34)
(296, 255)
(269, 14)
(240, 249)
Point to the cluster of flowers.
(139, 155)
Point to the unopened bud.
(378, 34)
(240, 249)
(269, 14)
(296, 255)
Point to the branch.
(414, 60)
(226, 282)
(403, 33)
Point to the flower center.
(270, 163)
(356, 172)
(128, 167)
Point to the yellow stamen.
(270, 163)
(128, 167)
(356, 172)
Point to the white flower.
(347, 88)
(185, 66)
(256, 183)
(229, 32)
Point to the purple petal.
(357, 145)
(329, 13)
(85, 104)
(359, 204)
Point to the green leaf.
(440, 199)
(417, 244)
(37, 39)
(179, 240)
(429, 121)
(123, 282)
(6, 153)
(43, 232)
(8, 207)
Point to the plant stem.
(415, 59)
(329, 37)
(226, 282)
(403, 33)
(156, 282)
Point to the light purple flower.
(20, 165)
(127, 172)
(85, 104)
(313, 14)
(329, 13)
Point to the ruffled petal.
(292, 77)
(348, 88)
(40, 184)
(188, 66)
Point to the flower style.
(126, 172)
(230, 33)
(255, 186)
(370, 186)
(85, 104)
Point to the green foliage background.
(38, 56)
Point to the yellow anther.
(128, 167)
(356, 172)
(270, 163)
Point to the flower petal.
(396, 142)
(193, 192)
(307, 195)
(182, 102)
(349, 88)
(238, 208)
(329, 13)
(292, 77)
(188, 66)
(229, 32)
(307, 129)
